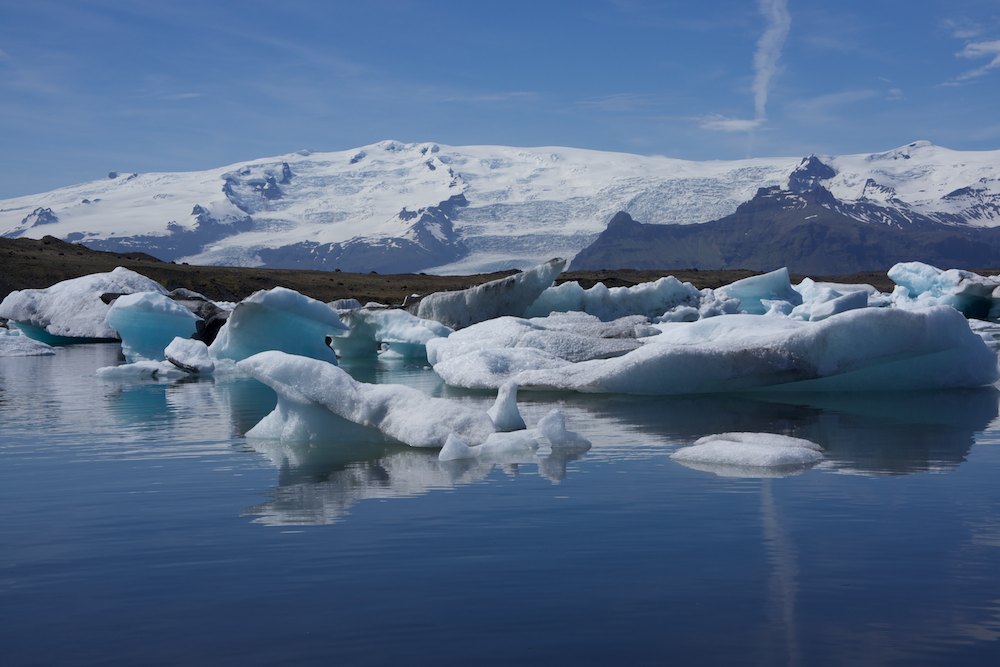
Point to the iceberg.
(650, 299)
(919, 285)
(756, 293)
(189, 355)
(821, 300)
(870, 349)
(14, 345)
(278, 319)
(550, 435)
(71, 311)
(740, 454)
(507, 296)
(317, 399)
(393, 332)
(146, 322)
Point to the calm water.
(139, 526)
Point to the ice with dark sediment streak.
(749, 454)
(72, 310)
(507, 296)
(278, 319)
(146, 322)
(870, 349)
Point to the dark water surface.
(139, 526)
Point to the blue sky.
(89, 86)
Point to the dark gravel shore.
(27, 263)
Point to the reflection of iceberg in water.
(873, 433)
(319, 482)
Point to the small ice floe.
(760, 294)
(14, 345)
(507, 296)
(750, 454)
(72, 311)
(549, 436)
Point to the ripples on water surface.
(141, 527)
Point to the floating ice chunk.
(147, 322)
(753, 291)
(72, 311)
(650, 299)
(920, 285)
(871, 349)
(190, 355)
(550, 435)
(507, 296)
(400, 414)
(489, 369)
(738, 454)
(156, 370)
(504, 413)
(396, 332)
(820, 308)
(278, 319)
(14, 345)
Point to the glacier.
(404, 207)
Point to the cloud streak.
(976, 51)
(765, 59)
(765, 66)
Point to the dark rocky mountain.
(809, 231)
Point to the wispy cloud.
(723, 124)
(619, 102)
(765, 65)
(765, 60)
(977, 51)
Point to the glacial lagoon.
(140, 526)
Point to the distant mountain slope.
(394, 207)
(779, 228)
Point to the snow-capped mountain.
(395, 207)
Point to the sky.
(91, 86)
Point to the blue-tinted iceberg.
(650, 299)
(391, 332)
(72, 311)
(147, 322)
(920, 285)
(871, 349)
(761, 294)
(278, 319)
(507, 296)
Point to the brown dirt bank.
(28, 263)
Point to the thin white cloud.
(765, 65)
(977, 51)
(765, 60)
(723, 124)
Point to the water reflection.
(319, 482)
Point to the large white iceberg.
(650, 299)
(869, 349)
(318, 400)
(742, 454)
(72, 310)
(147, 322)
(920, 285)
(278, 319)
(507, 296)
